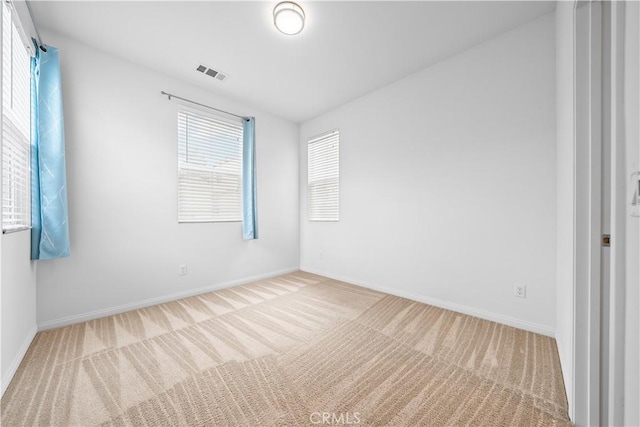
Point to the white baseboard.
(460, 308)
(8, 376)
(77, 318)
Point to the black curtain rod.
(170, 95)
(41, 45)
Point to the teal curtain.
(49, 216)
(249, 198)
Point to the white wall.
(1, 346)
(126, 244)
(565, 192)
(18, 301)
(448, 183)
(17, 295)
(632, 135)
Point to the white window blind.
(209, 167)
(324, 177)
(16, 125)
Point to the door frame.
(614, 332)
(587, 210)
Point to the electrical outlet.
(182, 270)
(520, 291)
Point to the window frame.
(314, 139)
(220, 120)
(12, 137)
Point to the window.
(324, 177)
(209, 167)
(16, 125)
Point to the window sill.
(208, 221)
(15, 230)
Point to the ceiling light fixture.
(288, 17)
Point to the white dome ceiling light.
(288, 17)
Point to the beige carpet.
(295, 350)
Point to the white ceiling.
(346, 50)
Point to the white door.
(632, 138)
(620, 336)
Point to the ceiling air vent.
(216, 74)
